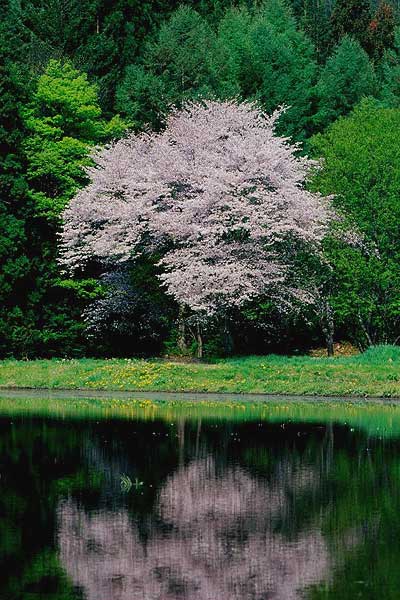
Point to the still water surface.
(114, 500)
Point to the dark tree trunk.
(365, 331)
(181, 341)
(329, 346)
(226, 337)
(199, 341)
(328, 327)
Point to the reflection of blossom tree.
(216, 541)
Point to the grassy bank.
(374, 373)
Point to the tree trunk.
(329, 346)
(328, 327)
(181, 340)
(199, 341)
(365, 331)
(227, 339)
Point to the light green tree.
(64, 122)
(361, 167)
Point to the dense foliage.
(75, 75)
(362, 169)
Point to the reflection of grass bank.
(374, 373)
(376, 419)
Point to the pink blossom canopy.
(217, 194)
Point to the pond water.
(127, 499)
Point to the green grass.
(374, 373)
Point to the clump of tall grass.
(380, 354)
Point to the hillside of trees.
(76, 76)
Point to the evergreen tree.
(390, 75)
(264, 57)
(259, 55)
(100, 37)
(351, 17)
(381, 31)
(231, 64)
(347, 76)
(283, 68)
(175, 68)
(15, 265)
(141, 97)
(314, 19)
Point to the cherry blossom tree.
(217, 195)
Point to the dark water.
(171, 506)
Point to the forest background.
(78, 74)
